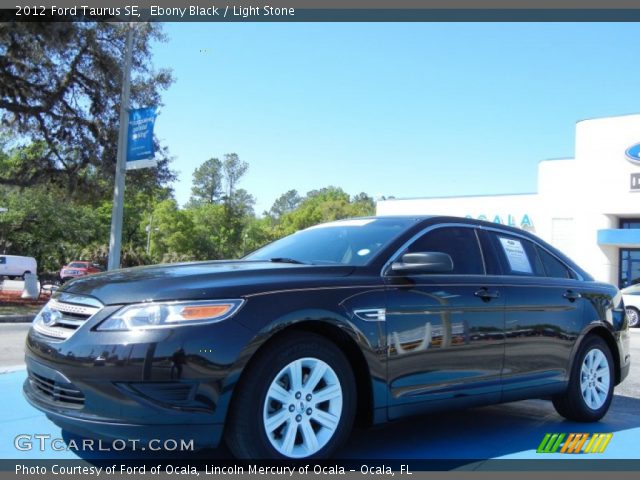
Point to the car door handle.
(486, 294)
(571, 295)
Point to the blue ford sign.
(633, 154)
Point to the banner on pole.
(140, 149)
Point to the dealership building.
(587, 206)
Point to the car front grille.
(63, 394)
(64, 314)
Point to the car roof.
(435, 219)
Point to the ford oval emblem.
(633, 154)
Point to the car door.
(3, 266)
(445, 331)
(543, 304)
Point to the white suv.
(631, 297)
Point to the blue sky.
(394, 109)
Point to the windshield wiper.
(285, 260)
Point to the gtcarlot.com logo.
(574, 443)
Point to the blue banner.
(140, 149)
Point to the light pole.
(3, 210)
(115, 237)
(148, 229)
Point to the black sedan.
(363, 320)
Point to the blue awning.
(620, 237)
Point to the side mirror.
(423, 262)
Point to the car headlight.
(144, 316)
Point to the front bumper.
(162, 384)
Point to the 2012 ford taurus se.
(365, 320)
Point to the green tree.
(60, 89)
(285, 203)
(173, 233)
(324, 205)
(41, 223)
(207, 182)
(234, 169)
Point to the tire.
(633, 317)
(272, 418)
(590, 390)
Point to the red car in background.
(78, 269)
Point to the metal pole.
(115, 238)
(149, 234)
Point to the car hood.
(201, 280)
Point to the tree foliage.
(207, 182)
(60, 87)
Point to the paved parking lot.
(508, 431)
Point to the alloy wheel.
(302, 407)
(632, 316)
(595, 379)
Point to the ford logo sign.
(633, 154)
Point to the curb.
(17, 318)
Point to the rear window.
(78, 265)
(552, 266)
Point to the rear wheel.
(590, 390)
(632, 316)
(296, 401)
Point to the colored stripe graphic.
(574, 443)
(598, 438)
(550, 443)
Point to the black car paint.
(393, 380)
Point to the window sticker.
(518, 260)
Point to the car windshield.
(78, 265)
(346, 242)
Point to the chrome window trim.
(524, 237)
(426, 230)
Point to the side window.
(518, 256)
(552, 266)
(491, 260)
(3, 260)
(460, 243)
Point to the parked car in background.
(631, 298)
(365, 320)
(79, 269)
(13, 266)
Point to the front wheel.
(590, 389)
(296, 401)
(632, 316)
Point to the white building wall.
(576, 197)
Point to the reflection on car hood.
(631, 290)
(201, 280)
